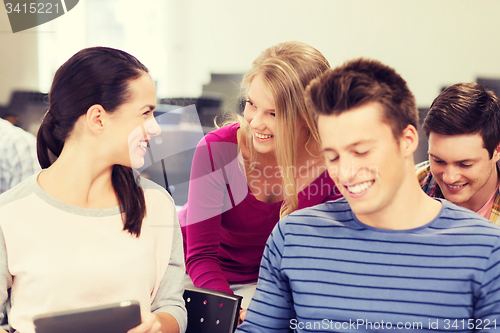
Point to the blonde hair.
(287, 69)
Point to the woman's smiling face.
(260, 114)
(133, 123)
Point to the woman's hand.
(150, 324)
(243, 312)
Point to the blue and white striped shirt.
(18, 158)
(325, 271)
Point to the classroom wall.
(431, 43)
(18, 59)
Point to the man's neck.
(410, 208)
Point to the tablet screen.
(116, 318)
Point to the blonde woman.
(248, 174)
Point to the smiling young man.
(463, 128)
(386, 256)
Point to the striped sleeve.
(488, 301)
(271, 308)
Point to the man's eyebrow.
(352, 145)
(461, 161)
(435, 156)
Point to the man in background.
(18, 159)
(463, 130)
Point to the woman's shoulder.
(219, 146)
(149, 186)
(18, 192)
(160, 205)
(226, 133)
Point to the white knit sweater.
(61, 257)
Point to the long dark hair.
(97, 75)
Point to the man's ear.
(95, 118)
(496, 153)
(409, 140)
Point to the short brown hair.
(466, 108)
(362, 81)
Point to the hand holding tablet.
(150, 324)
(116, 318)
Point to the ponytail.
(48, 147)
(130, 196)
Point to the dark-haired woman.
(86, 231)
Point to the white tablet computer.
(112, 318)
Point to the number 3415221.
(32, 8)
